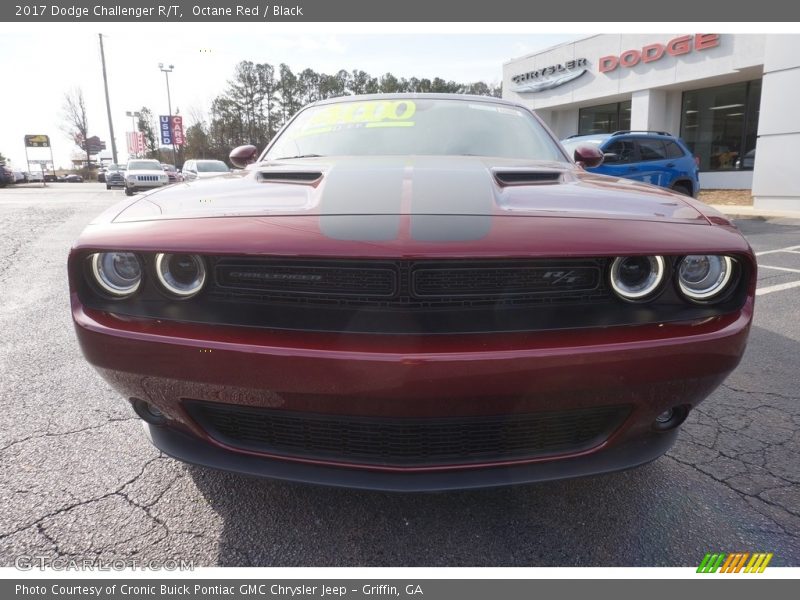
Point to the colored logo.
(737, 562)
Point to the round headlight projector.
(704, 276)
(636, 277)
(182, 275)
(117, 273)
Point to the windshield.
(415, 127)
(144, 165)
(211, 166)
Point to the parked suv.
(6, 175)
(654, 157)
(115, 176)
(144, 175)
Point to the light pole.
(167, 70)
(134, 115)
(108, 102)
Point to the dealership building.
(731, 97)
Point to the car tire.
(682, 188)
(128, 191)
(108, 187)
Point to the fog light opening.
(148, 413)
(671, 418)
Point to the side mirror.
(588, 156)
(241, 156)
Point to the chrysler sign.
(550, 77)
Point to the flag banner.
(177, 131)
(165, 127)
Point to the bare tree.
(76, 124)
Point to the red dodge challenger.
(413, 292)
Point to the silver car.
(203, 169)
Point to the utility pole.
(108, 102)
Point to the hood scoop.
(507, 177)
(284, 176)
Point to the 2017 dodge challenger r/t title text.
(413, 292)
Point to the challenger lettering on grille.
(267, 276)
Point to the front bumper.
(191, 449)
(648, 369)
(142, 185)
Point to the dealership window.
(605, 118)
(720, 124)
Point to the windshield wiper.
(299, 156)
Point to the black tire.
(128, 191)
(108, 187)
(682, 188)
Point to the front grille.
(432, 281)
(406, 442)
(340, 279)
(147, 178)
(409, 284)
(409, 296)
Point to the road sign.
(93, 145)
(37, 141)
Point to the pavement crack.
(757, 392)
(742, 494)
(37, 522)
(47, 434)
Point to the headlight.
(636, 277)
(118, 273)
(131, 178)
(181, 274)
(703, 276)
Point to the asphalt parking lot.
(79, 479)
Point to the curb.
(751, 211)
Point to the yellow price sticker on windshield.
(374, 113)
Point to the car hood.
(446, 186)
(145, 172)
(210, 174)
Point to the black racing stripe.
(449, 228)
(353, 188)
(451, 187)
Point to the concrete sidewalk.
(734, 210)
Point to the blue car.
(653, 157)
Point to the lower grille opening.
(403, 441)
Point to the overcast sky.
(41, 64)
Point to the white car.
(203, 169)
(144, 175)
(35, 176)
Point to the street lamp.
(167, 70)
(133, 115)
